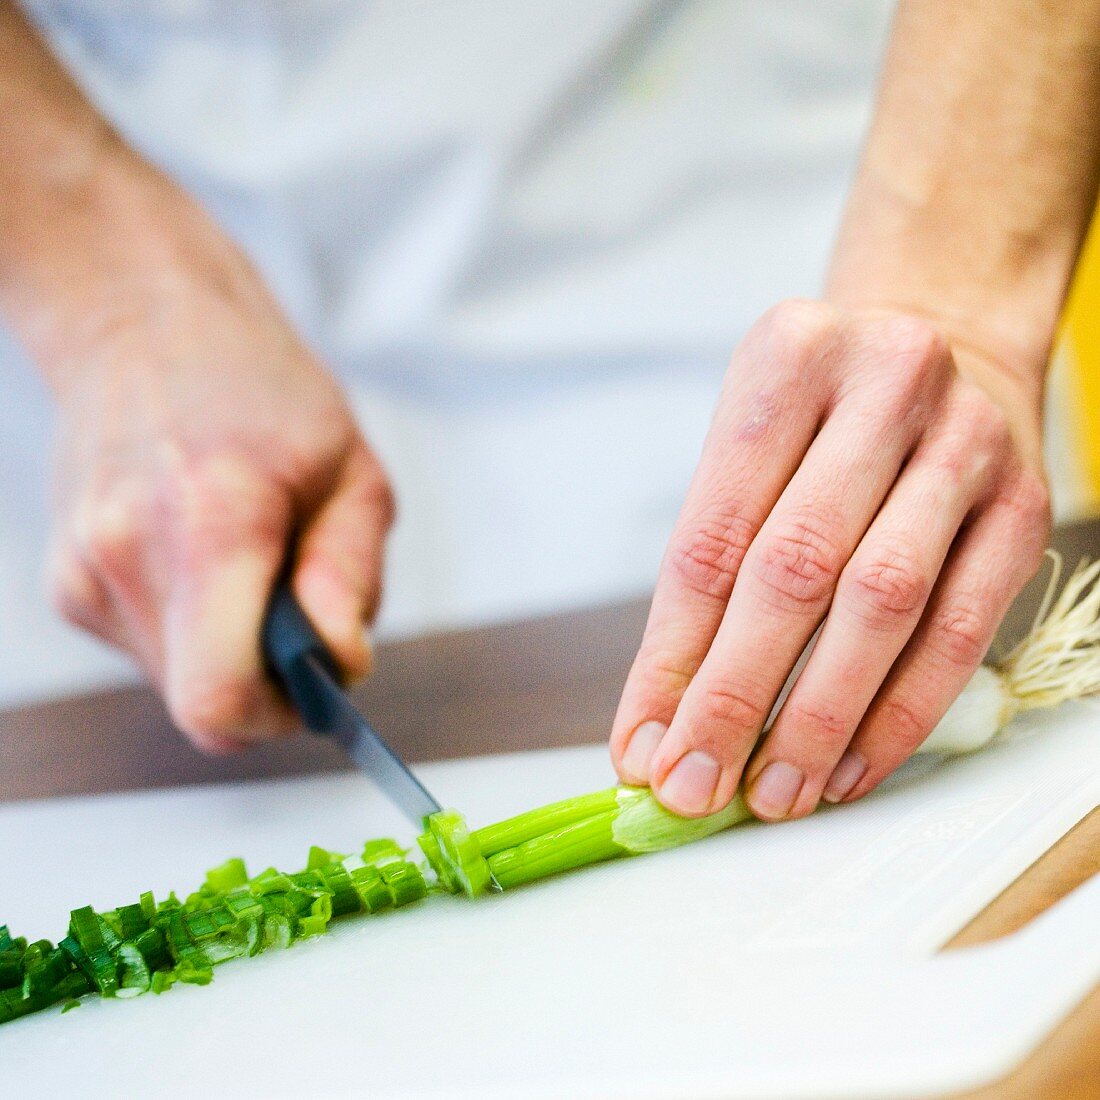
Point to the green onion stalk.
(564, 836)
(150, 946)
(1056, 662)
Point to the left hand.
(861, 471)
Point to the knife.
(307, 671)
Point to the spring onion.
(1058, 660)
(455, 855)
(150, 946)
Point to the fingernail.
(775, 789)
(640, 749)
(689, 787)
(850, 769)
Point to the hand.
(861, 472)
(199, 441)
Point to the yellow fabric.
(1081, 344)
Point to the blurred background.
(525, 237)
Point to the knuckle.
(65, 601)
(730, 706)
(661, 672)
(371, 485)
(1029, 502)
(818, 725)
(707, 555)
(975, 442)
(70, 591)
(990, 426)
(118, 519)
(959, 634)
(215, 707)
(982, 425)
(218, 499)
(381, 500)
(198, 497)
(798, 564)
(798, 328)
(953, 462)
(917, 348)
(888, 587)
(912, 369)
(902, 723)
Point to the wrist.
(111, 255)
(88, 229)
(996, 296)
(75, 254)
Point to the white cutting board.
(791, 960)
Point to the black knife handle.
(288, 639)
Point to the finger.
(338, 567)
(109, 533)
(784, 589)
(766, 418)
(229, 531)
(79, 597)
(879, 600)
(216, 687)
(990, 563)
(214, 745)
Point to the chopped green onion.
(337, 882)
(134, 974)
(270, 882)
(163, 980)
(227, 876)
(322, 857)
(382, 851)
(454, 854)
(97, 943)
(11, 967)
(44, 968)
(374, 894)
(148, 905)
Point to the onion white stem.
(1058, 660)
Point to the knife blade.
(307, 671)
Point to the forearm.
(979, 175)
(90, 232)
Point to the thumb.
(338, 564)
(227, 551)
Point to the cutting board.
(793, 960)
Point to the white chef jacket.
(525, 235)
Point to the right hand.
(200, 443)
